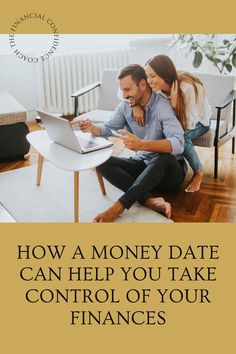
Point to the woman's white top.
(196, 111)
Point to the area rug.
(53, 201)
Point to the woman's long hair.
(165, 68)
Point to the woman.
(189, 100)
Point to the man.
(158, 163)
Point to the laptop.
(60, 131)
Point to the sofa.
(13, 128)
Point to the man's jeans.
(137, 179)
(189, 150)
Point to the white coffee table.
(67, 159)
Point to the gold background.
(44, 328)
(74, 16)
(197, 328)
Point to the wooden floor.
(215, 202)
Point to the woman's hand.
(174, 94)
(139, 115)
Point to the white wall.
(22, 79)
(31, 43)
(143, 49)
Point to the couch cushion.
(11, 111)
(207, 139)
(96, 116)
(217, 88)
(108, 98)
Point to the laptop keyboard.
(86, 144)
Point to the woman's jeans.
(189, 150)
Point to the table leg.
(39, 170)
(76, 196)
(101, 182)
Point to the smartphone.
(115, 133)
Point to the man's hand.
(134, 143)
(139, 115)
(131, 141)
(87, 126)
(84, 124)
(174, 94)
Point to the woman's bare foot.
(195, 182)
(110, 214)
(159, 205)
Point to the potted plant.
(222, 53)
